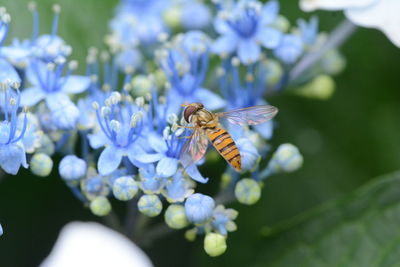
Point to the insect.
(206, 127)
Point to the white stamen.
(166, 133)
(179, 131)
(94, 78)
(15, 85)
(139, 101)
(235, 61)
(56, 9)
(115, 125)
(6, 18)
(13, 102)
(95, 105)
(172, 118)
(73, 65)
(105, 111)
(51, 66)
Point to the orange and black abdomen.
(224, 144)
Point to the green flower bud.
(100, 206)
(175, 217)
(46, 145)
(321, 87)
(172, 17)
(281, 23)
(214, 244)
(274, 70)
(160, 78)
(41, 164)
(247, 191)
(141, 85)
(226, 179)
(333, 62)
(191, 234)
(150, 205)
(125, 188)
(286, 158)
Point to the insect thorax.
(204, 118)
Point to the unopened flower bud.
(321, 87)
(214, 244)
(150, 205)
(175, 217)
(125, 188)
(72, 168)
(247, 191)
(100, 206)
(191, 234)
(41, 164)
(287, 158)
(199, 208)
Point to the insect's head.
(190, 109)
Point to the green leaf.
(361, 229)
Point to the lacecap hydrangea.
(117, 126)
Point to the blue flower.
(289, 49)
(244, 27)
(18, 53)
(177, 188)
(8, 73)
(223, 218)
(128, 60)
(195, 15)
(168, 151)
(48, 47)
(185, 66)
(33, 133)
(138, 20)
(242, 93)
(49, 84)
(308, 31)
(121, 123)
(199, 208)
(12, 151)
(150, 182)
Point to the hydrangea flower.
(121, 124)
(185, 65)
(138, 21)
(222, 220)
(195, 15)
(244, 27)
(50, 85)
(178, 188)
(12, 150)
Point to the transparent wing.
(194, 149)
(249, 116)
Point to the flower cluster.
(117, 127)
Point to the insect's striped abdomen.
(224, 144)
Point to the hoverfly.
(206, 126)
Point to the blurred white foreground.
(84, 244)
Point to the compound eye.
(188, 112)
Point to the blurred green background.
(346, 141)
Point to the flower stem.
(340, 34)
